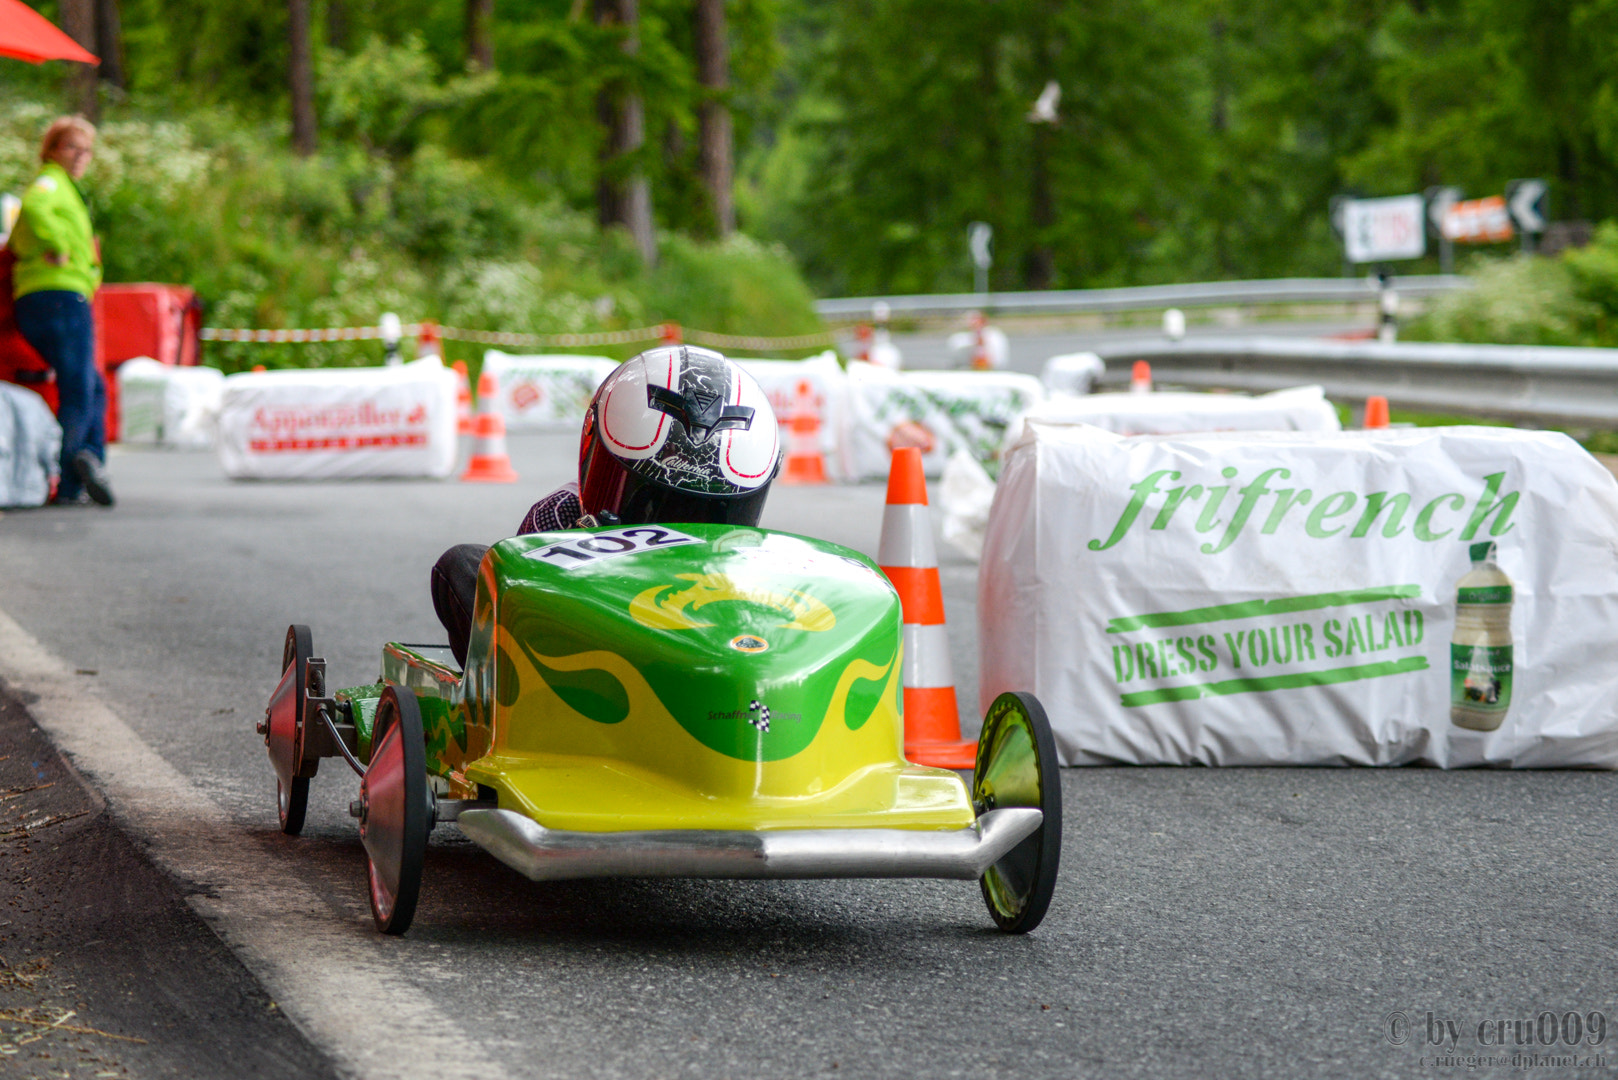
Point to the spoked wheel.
(292, 797)
(1017, 766)
(394, 811)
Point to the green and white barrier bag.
(546, 393)
(1438, 595)
(940, 412)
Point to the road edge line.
(338, 985)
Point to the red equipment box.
(159, 321)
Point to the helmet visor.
(606, 484)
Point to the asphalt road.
(1209, 922)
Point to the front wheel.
(394, 814)
(1017, 766)
(292, 797)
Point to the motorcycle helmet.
(678, 434)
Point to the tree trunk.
(623, 195)
(1041, 255)
(714, 140)
(302, 78)
(337, 23)
(479, 43)
(110, 35)
(79, 23)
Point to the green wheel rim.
(1017, 767)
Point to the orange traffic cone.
(862, 342)
(429, 342)
(1140, 378)
(463, 399)
(805, 463)
(490, 463)
(981, 361)
(1376, 412)
(932, 719)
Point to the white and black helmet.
(678, 434)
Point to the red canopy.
(27, 35)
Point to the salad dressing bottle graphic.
(1480, 652)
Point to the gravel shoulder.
(105, 971)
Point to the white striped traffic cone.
(490, 464)
(932, 719)
(805, 463)
(463, 399)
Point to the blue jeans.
(57, 323)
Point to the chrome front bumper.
(550, 854)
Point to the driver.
(677, 434)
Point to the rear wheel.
(394, 816)
(1017, 767)
(292, 802)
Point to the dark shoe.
(93, 475)
(81, 499)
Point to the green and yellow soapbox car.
(670, 701)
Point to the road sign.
(1478, 221)
(1526, 201)
(978, 236)
(1378, 229)
(1439, 200)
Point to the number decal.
(609, 544)
(593, 544)
(660, 537)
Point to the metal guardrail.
(1534, 384)
(1195, 294)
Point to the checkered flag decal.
(762, 720)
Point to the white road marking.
(331, 976)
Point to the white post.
(1174, 324)
(392, 331)
(1388, 301)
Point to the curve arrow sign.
(1524, 201)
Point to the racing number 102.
(610, 544)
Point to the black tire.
(1017, 766)
(394, 820)
(292, 804)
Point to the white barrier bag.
(164, 405)
(30, 447)
(539, 393)
(1300, 408)
(1436, 595)
(339, 423)
(1072, 373)
(816, 385)
(939, 411)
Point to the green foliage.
(1522, 301)
(1196, 140)
(272, 240)
(1570, 300)
(379, 96)
(914, 123)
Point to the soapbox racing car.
(670, 701)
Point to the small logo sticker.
(748, 643)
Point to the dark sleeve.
(558, 510)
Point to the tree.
(623, 195)
(301, 77)
(79, 23)
(479, 38)
(714, 140)
(110, 36)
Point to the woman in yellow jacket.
(57, 272)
